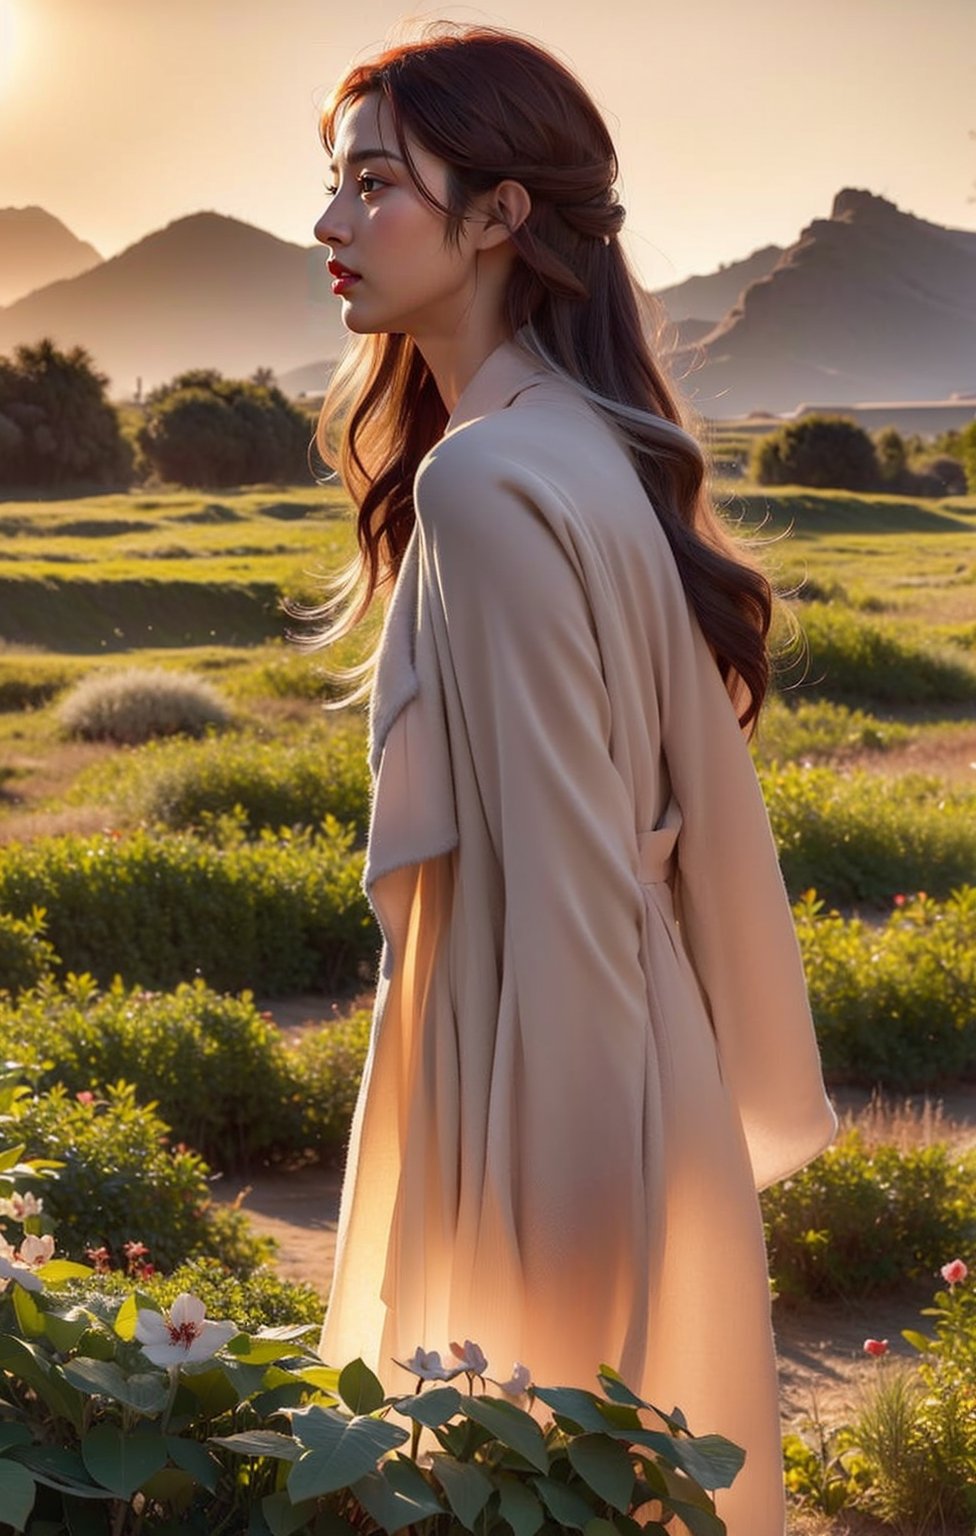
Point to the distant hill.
(206, 291)
(711, 297)
(870, 304)
(35, 249)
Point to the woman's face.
(402, 275)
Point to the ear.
(503, 209)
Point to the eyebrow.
(358, 157)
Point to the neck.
(454, 360)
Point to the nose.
(329, 228)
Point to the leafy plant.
(863, 1219)
(847, 655)
(25, 955)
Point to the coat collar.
(494, 385)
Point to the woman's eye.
(368, 183)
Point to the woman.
(591, 1040)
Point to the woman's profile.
(591, 1042)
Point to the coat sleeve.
(520, 659)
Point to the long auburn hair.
(494, 106)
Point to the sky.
(736, 121)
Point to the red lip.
(338, 270)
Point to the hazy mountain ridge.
(37, 249)
(205, 291)
(869, 304)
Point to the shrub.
(132, 706)
(328, 1065)
(819, 729)
(860, 838)
(893, 1004)
(205, 430)
(25, 955)
(863, 1219)
(56, 424)
(120, 1182)
(26, 685)
(850, 656)
(271, 784)
(823, 451)
(939, 475)
(260, 1299)
(215, 1067)
(967, 448)
(283, 914)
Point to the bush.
(824, 451)
(967, 448)
(216, 1068)
(328, 1065)
(848, 656)
(283, 914)
(120, 1182)
(205, 430)
(260, 1299)
(30, 685)
(863, 1219)
(819, 729)
(132, 706)
(56, 424)
(939, 475)
(25, 955)
(271, 784)
(861, 838)
(894, 1005)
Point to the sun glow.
(9, 42)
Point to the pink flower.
(899, 900)
(954, 1272)
(85, 1096)
(876, 1347)
(33, 1254)
(470, 1357)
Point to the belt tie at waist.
(656, 859)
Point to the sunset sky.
(736, 122)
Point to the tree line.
(58, 428)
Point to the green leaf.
(67, 1328)
(27, 1362)
(13, 1434)
(122, 1462)
(359, 1388)
(254, 1351)
(11, 1157)
(325, 1377)
(711, 1460)
(430, 1408)
(56, 1270)
(17, 1493)
(518, 1506)
(468, 1489)
(700, 1522)
(397, 1495)
(917, 1340)
(213, 1390)
(617, 1390)
(341, 1450)
(600, 1527)
(57, 1467)
(512, 1426)
(566, 1506)
(30, 1318)
(605, 1466)
(586, 1410)
(194, 1458)
(125, 1319)
(172, 1486)
(283, 1516)
(260, 1442)
(147, 1392)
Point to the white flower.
(34, 1252)
(519, 1381)
(471, 1357)
(181, 1334)
(20, 1207)
(428, 1366)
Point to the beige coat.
(570, 1100)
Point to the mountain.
(36, 248)
(711, 297)
(206, 291)
(870, 304)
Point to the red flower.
(899, 900)
(85, 1096)
(954, 1272)
(876, 1347)
(101, 1258)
